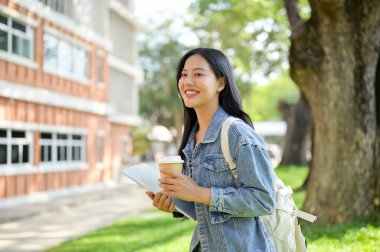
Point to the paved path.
(39, 226)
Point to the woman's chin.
(189, 105)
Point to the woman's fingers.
(171, 207)
(170, 173)
(167, 180)
(150, 194)
(167, 186)
(167, 203)
(170, 183)
(163, 202)
(157, 199)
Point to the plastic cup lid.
(170, 159)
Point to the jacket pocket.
(217, 172)
(218, 217)
(216, 163)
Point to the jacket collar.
(215, 126)
(212, 131)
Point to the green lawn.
(158, 232)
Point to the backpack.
(282, 224)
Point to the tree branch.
(294, 18)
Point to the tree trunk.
(375, 184)
(333, 59)
(297, 134)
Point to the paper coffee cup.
(173, 163)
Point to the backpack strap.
(306, 216)
(285, 190)
(226, 148)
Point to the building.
(68, 95)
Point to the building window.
(77, 148)
(60, 6)
(15, 147)
(61, 148)
(62, 145)
(46, 143)
(16, 38)
(65, 58)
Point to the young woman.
(227, 214)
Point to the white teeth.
(191, 92)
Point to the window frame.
(28, 35)
(34, 133)
(68, 163)
(59, 6)
(66, 65)
(10, 168)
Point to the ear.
(221, 84)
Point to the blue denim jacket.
(231, 221)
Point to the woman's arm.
(255, 197)
(183, 187)
(256, 194)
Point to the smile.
(191, 92)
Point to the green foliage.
(156, 231)
(140, 142)
(261, 104)
(254, 34)
(294, 176)
(159, 54)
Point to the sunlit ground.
(159, 232)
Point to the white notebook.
(147, 176)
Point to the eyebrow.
(198, 68)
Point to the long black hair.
(229, 98)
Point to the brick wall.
(13, 110)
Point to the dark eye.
(198, 74)
(183, 75)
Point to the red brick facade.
(39, 113)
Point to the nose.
(189, 80)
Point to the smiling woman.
(209, 96)
(199, 86)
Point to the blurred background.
(88, 88)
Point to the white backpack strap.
(286, 191)
(306, 216)
(226, 148)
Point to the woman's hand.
(161, 201)
(183, 187)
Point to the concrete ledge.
(47, 196)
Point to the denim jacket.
(230, 222)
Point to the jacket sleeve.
(256, 194)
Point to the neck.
(204, 118)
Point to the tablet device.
(147, 177)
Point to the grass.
(294, 176)
(155, 231)
(159, 232)
(359, 236)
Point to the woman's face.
(198, 84)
